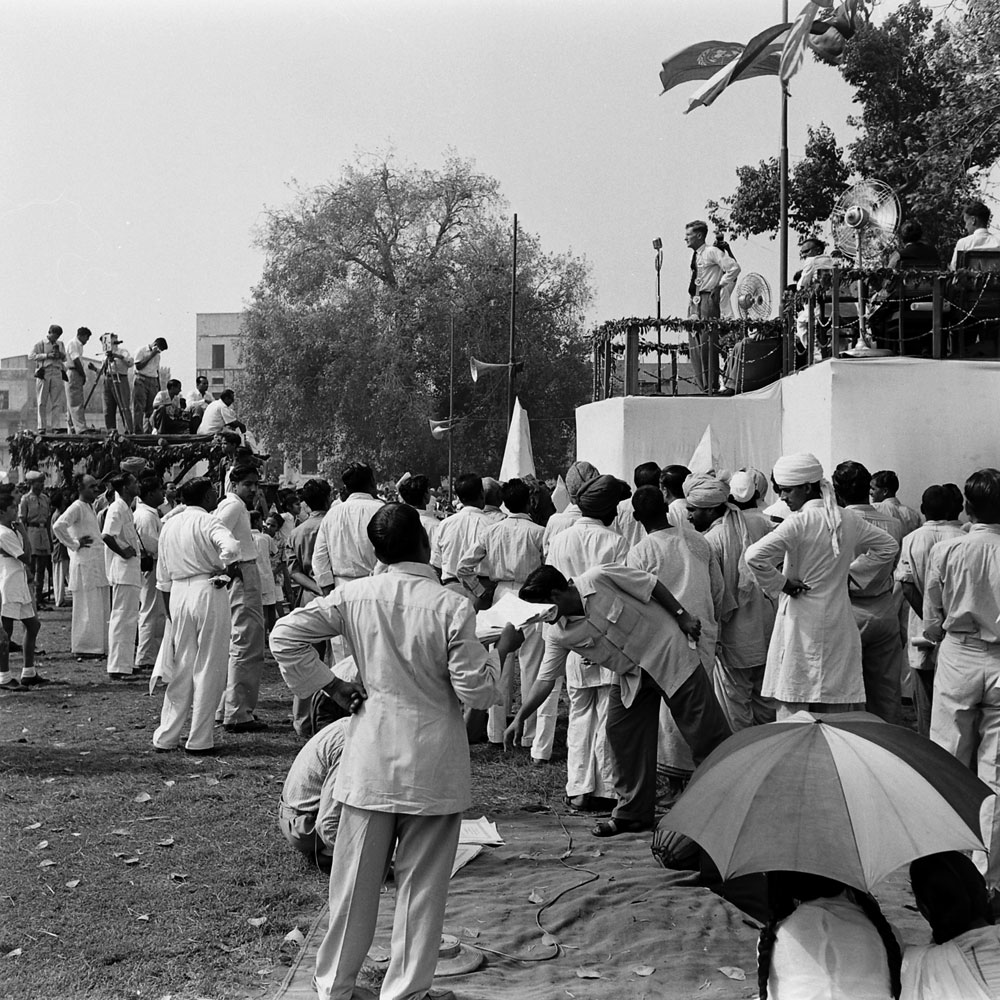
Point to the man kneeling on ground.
(308, 813)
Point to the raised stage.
(930, 421)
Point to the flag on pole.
(698, 62)
(707, 456)
(439, 428)
(560, 495)
(518, 460)
(760, 57)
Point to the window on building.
(218, 380)
(218, 356)
(310, 464)
(4, 399)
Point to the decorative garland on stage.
(727, 331)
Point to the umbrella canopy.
(847, 796)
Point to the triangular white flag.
(707, 456)
(518, 460)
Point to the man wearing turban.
(814, 657)
(576, 475)
(746, 614)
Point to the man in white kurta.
(121, 563)
(647, 474)
(461, 532)
(78, 530)
(814, 659)
(151, 612)
(941, 510)
(746, 614)
(246, 644)
(590, 542)
(404, 775)
(343, 551)
(576, 475)
(961, 612)
(194, 547)
(509, 551)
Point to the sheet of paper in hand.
(490, 623)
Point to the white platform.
(930, 421)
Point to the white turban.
(801, 469)
(742, 486)
(705, 491)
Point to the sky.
(142, 142)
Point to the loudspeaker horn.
(477, 368)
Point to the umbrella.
(847, 796)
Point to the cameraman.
(147, 384)
(117, 394)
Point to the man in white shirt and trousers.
(152, 617)
(710, 269)
(404, 777)
(246, 646)
(77, 380)
(194, 550)
(78, 530)
(121, 563)
(461, 532)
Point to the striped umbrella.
(847, 796)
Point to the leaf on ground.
(73, 883)
(733, 972)
(42, 844)
(166, 842)
(13, 954)
(47, 781)
(295, 936)
(470, 932)
(535, 897)
(143, 797)
(595, 854)
(565, 854)
(46, 864)
(170, 784)
(549, 941)
(644, 970)
(121, 832)
(585, 972)
(178, 876)
(257, 921)
(134, 860)
(33, 826)
(143, 917)
(705, 985)
(520, 857)
(211, 781)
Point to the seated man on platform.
(169, 410)
(913, 252)
(219, 415)
(976, 219)
(308, 813)
(812, 250)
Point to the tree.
(754, 207)
(346, 338)
(928, 93)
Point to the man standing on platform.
(77, 380)
(121, 563)
(78, 530)
(117, 393)
(246, 644)
(49, 357)
(152, 617)
(34, 514)
(710, 269)
(147, 384)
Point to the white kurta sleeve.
(62, 528)
(474, 672)
(322, 568)
(764, 555)
(874, 549)
(292, 643)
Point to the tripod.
(114, 379)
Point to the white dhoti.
(200, 626)
(589, 764)
(122, 625)
(425, 851)
(91, 611)
(966, 711)
(151, 620)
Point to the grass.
(106, 893)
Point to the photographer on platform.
(170, 415)
(117, 394)
(147, 384)
(50, 357)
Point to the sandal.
(612, 827)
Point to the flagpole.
(513, 309)
(783, 190)
(451, 401)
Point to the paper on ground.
(464, 854)
(480, 831)
(490, 623)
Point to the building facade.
(217, 353)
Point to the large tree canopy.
(346, 338)
(929, 94)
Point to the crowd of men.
(134, 399)
(680, 611)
